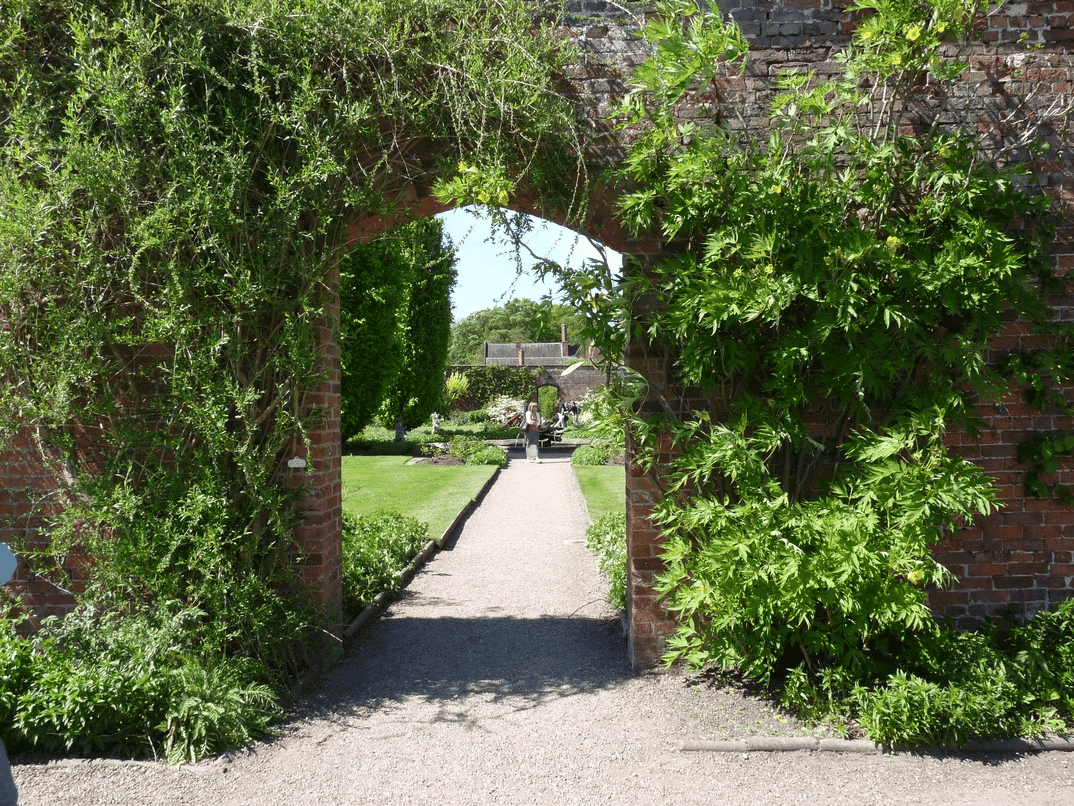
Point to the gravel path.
(501, 677)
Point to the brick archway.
(1022, 556)
(320, 533)
(648, 623)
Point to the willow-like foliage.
(177, 179)
(835, 276)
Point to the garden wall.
(1021, 557)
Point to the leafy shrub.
(476, 451)
(462, 447)
(469, 417)
(607, 540)
(132, 685)
(213, 709)
(488, 455)
(547, 400)
(944, 687)
(16, 672)
(376, 440)
(589, 455)
(824, 280)
(376, 549)
(456, 385)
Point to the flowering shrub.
(504, 406)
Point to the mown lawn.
(604, 488)
(434, 494)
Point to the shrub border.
(384, 598)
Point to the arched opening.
(492, 270)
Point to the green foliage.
(376, 550)
(606, 538)
(159, 537)
(485, 384)
(379, 441)
(462, 447)
(476, 451)
(820, 577)
(946, 687)
(374, 284)
(455, 387)
(139, 685)
(837, 289)
(589, 455)
(951, 687)
(425, 328)
(832, 290)
(547, 401)
(475, 417)
(518, 320)
(177, 180)
(488, 455)
(1043, 452)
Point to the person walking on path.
(532, 427)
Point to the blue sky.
(487, 270)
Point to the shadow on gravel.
(515, 662)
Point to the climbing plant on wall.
(835, 279)
(176, 181)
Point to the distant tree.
(520, 320)
(395, 322)
(374, 280)
(425, 326)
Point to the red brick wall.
(1021, 558)
(320, 534)
(27, 497)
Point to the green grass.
(604, 488)
(434, 494)
(378, 440)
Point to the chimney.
(564, 348)
(521, 354)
